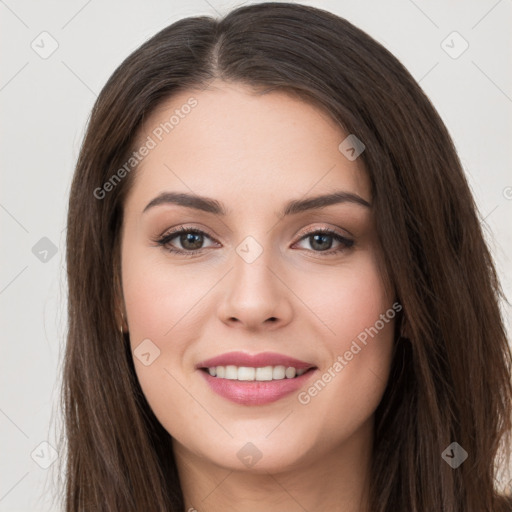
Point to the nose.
(255, 294)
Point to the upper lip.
(254, 361)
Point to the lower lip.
(255, 392)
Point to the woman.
(280, 297)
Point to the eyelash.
(165, 240)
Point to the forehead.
(229, 140)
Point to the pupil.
(319, 241)
(189, 237)
(319, 236)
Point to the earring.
(124, 326)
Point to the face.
(250, 320)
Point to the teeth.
(264, 373)
(278, 372)
(290, 372)
(247, 373)
(231, 373)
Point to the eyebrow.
(293, 207)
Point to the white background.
(45, 104)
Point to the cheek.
(160, 298)
(153, 299)
(346, 300)
(165, 304)
(159, 302)
(357, 308)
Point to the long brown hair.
(450, 379)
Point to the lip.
(254, 361)
(255, 392)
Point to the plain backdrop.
(45, 101)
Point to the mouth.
(255, 379)
(259, 374)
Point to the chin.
(257, 454)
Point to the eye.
(321, 241)
(190, 239)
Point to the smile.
(255, 379)
(262, 373)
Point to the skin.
(254, 153)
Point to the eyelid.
(327, 228)
(176, 231)
(186, 228)
(172, 233)
(334, 233)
